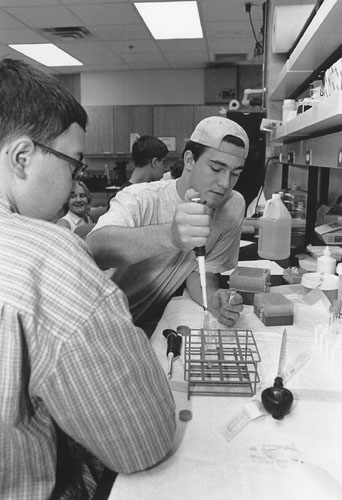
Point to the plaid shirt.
(71, 362)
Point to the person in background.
(78, 207)
(137, 234)
(149, 154)
(176, 168)
(175, 171)
(81, 387)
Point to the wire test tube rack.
(221, 362)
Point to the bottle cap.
(326, 251)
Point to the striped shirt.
(70, 359)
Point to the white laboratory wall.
(142, 87)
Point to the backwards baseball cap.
(211, 131)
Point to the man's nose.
(225, 179)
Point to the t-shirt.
(75, 220)
(152, 281)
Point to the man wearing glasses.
(80, 384)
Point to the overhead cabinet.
(174, 121)
(319, 41)
(130, 120)
(313, 138)
(100, 133)
(110, 127)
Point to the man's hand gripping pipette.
(222, 299)
(191, 230)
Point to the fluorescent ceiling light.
(169, 20)
(47, 54)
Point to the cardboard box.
(273, 309)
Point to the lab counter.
(229, 446)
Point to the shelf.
(320, 40)
(324, 116)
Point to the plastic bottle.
(326, 263)
(339, 283)
(289, 110)
(275, 230)
(299, 202)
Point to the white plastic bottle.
(289, 110)
(275, 230)
(326, 263)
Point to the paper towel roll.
(233, 105)
(288, 21)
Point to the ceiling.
(111, 35)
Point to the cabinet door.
(174, 121)
(201, 112)
(131, 119)
(100, 133)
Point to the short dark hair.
(177, 168)
(147, 147)
(34, 103)
(198, 149)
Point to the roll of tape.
(233, 105)
(288, 21)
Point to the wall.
(142, 87)
(169, 87)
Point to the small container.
(325, 282)
(289, 110)
(273, 309)
(326, 264)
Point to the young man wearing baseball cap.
(149, 234)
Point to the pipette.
(200, 255)
(174, 343)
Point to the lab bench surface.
(231, 447)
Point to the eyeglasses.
(78, 167)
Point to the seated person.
(77, 208)
(148, 154)
(138, 236)
(81, 387)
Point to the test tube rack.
(221, 362)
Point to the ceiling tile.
(26, 3)
(231, 10)
(230, 28)
(44, 16)
(114, 25)
(183, 57)
(117, 13)
(119, 32)
(134, 46)
(146, 65)
(7, 21)
(20, 36)
(189, 45)
(81, 2)
(143, 58)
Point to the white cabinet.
(320, 40)
(313, 139)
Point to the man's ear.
(20, 153)
(189, 161)
(154, 162)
